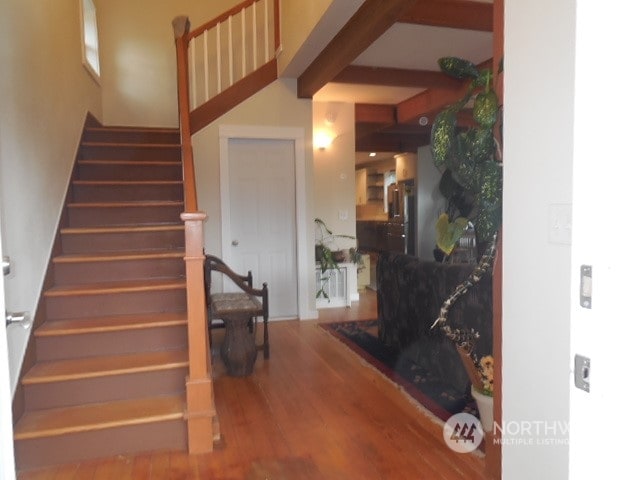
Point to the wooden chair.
(249, 304)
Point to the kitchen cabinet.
(361, 186)
(406, 164)
(375, 187)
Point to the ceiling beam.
(371, 20)
(375, 113)
(464, 14)
(383, 142)
(430, 102)
(395, 77)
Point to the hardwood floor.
(314, 411)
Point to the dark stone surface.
(410, 294)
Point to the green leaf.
(442, 136)
(448, 233)
(458, 67)
(482, 145)
(485, 109)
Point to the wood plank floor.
(314, 411)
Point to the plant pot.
(485, 409)
(339, 256)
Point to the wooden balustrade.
(243, 40)
(203, 428)
(202, 422)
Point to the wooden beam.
(392, 142)
(464, 14)
(375, 113)
(427, 104)
(371, 20)
(430, 102)
(395, 77)
(494, 448)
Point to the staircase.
(111, 354)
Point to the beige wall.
(334, 169)
(46, 93)
(138, 57)
(293, 34)
(275, 106)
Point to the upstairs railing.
(229, 47)
(220, 55)
(217, 66)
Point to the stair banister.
(203, 428)
(202, 421)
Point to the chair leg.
(266, 337)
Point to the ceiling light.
(372, 154)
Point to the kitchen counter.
(380, 235)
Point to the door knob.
(6, 266)
(235, 243)
(17, 318)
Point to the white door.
(262, 218)
(7, 469)
(603, 421)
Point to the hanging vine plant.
(471, 157)
(471, 161)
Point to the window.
(89, 24)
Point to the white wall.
(46, 93)
(538, 125)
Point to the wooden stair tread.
(110, 324)
(125, 128)
(131, 128)
(161, 227)
(92, 367)
(118, 256)
(126, 182)
(84, 418)
(149, 163)
(130, 145)
(116, 287)
(128, 203)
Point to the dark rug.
(440, 399)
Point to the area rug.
(439, 399)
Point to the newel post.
(203, 428)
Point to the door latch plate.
(581, 372)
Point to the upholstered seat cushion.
(236, 303)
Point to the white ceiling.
(413, 47)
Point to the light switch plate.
(560, 223)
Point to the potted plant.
(328, 256)
(471, 159)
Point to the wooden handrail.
(234, 11)
(181, 31)
(221, 18)
(203, 429)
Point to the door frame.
(296, 134)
